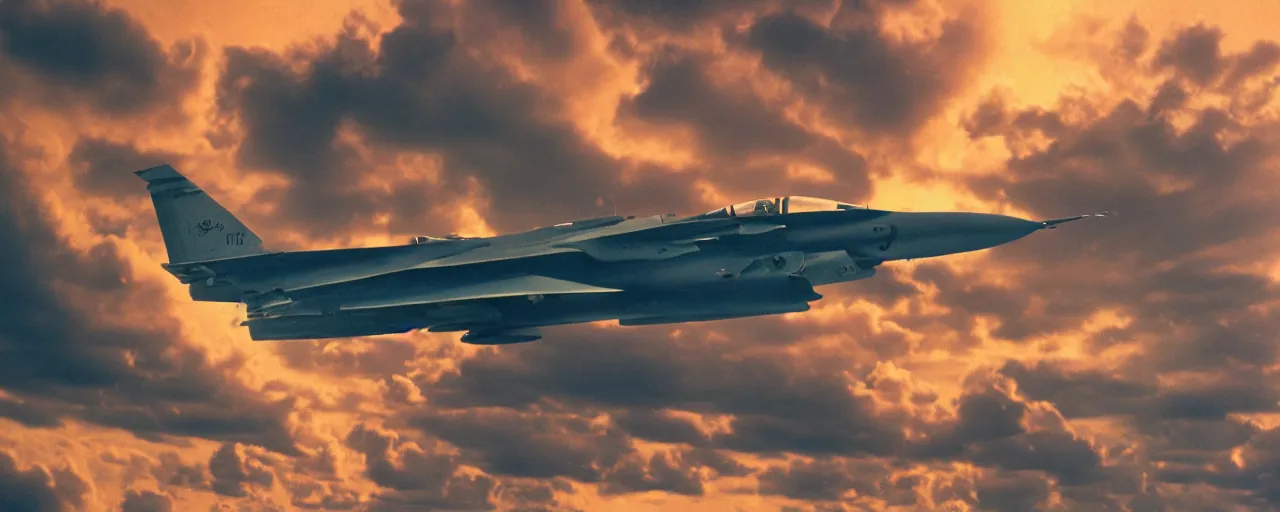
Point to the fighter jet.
(759, 257)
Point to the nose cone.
(923, 235)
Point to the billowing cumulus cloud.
(146, 501)
(420, 90)
(865, 79)
(74, 346)
(1121, 364)
(36, 488)
(55, 50)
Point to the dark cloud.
(36, 489)
(864, 79)
(88, 50)
(778, 403)
(1133, 40)
(542, 22)
(1259, 61)
(996, 429)
(527, 445)
(310, 494)
(535, 495)
(716, 460)
(965, 301)
(661, 472)
(1194, 52)
(1072, 460)
(676, 15)
(679, 90)
(826, 479)
(417, 477)
(1180, 190)
(733, 126)
(376, 357)
(1248, 465)
(1086, 393)
(805, 412)
(660, 426)
(1187, 428)
(419, 90)
(171, 471)
(989, 118)
(236, 471)
(67, 348)
(105, 167)
(1191, 183)
(1012, 492)
(146, 501)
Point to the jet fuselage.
(754, 258)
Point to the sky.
(1122, 364)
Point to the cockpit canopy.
(781, 205)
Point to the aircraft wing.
(435, 292)
(299, 269)
(650, 238)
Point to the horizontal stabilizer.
(509, 287)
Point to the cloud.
(527, 445)
(825, 480)
(105, 167)
(1016, 491)
(777, 403)
(36, 489)
(237, 469)
(1195, 54)
(146, 501)
(866, 80)
(58, 345)
(1190, 182)
(737, 130)
(661, 472)
(676, 16)
(55, 50)
(414, 476)
(171, 471)
(418, 90)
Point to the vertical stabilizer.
(195, 227)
